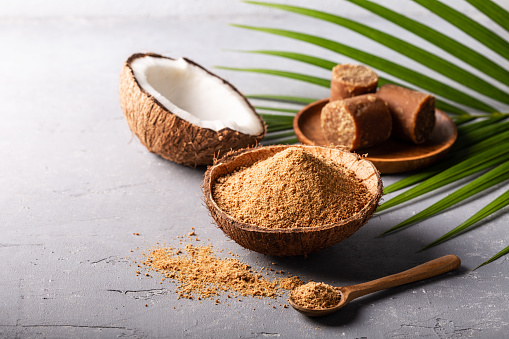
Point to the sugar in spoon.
(348, 293)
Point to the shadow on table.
(361, 258)
(352, 311)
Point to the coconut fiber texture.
(295, 240)
(170, 136)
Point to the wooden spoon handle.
(427, 270)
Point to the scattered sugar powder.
(293, 188)
(316, 296)
(200, 274)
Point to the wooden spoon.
(348, 293)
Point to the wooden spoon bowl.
(348, 293)
(298, 240)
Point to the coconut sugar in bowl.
(288, 200)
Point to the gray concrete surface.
(75, 185)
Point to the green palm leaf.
(451, 109)
(291, 75)
(469, 26)
(328, 65)
(426, 58)
(276, 109)
(387, 66)
(282, 98)
(493, 11)
(277, 127)
(474, 164)
(474, 143)
(480, 133)
(308, 59)
(495, 257)
(487, 180)
(453, 47)
(279, 135)
(482, 138)
(497, 204)
(490, 121)
(276, 119)
(463, 119)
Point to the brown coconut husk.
(170, 136)
(299, 240)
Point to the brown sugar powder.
(293, 188)
(199, 273)
(317, 296)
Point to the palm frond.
(282, 98)
(327, 64)
(493, 11)
(473, 143)
(291, 75)
(389, 67)
(463, 119)
(414, 52)
(277, 128)
(462, 130)
(472, 165)
(487, 180)
(451, 109)
(275, 111)
(305, 58)
(279, 135)
(469, 26)
(482, 137)
(277, 122)
(451, 46)
(495, 257)
(497, 204)
(276, 119)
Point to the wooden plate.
(391, 156)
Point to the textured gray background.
(75, 185)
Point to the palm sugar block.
(351, 80)
(413, 112)
(357, 122)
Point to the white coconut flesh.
(195, 95)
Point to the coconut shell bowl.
(297, 240)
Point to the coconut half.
(183, 112)
(297, 240)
